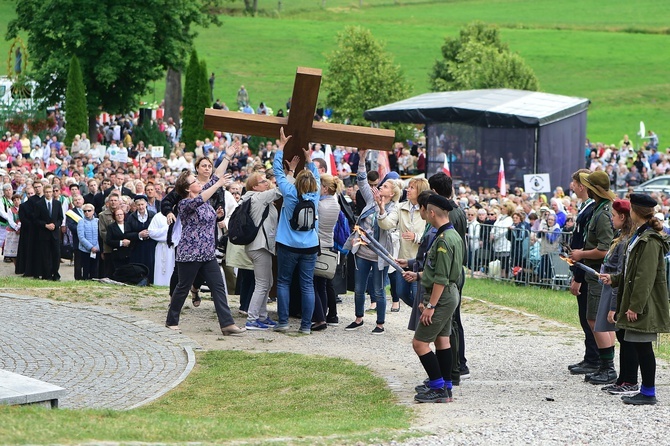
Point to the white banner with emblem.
(537, 183)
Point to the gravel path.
(520, 391)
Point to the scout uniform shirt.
(599, 232)
(444, 260)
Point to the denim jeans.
(405, 290)
(363, 269)
(288, 262)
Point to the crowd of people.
(171, 214)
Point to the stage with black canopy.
(533, 132)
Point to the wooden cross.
(300, 123)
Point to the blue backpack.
(341, 233)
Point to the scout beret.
(621, 206)
(440, 202)
(643, 200)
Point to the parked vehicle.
(660, 183)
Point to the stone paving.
(105, 359)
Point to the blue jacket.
(285, 235)
(87, 230)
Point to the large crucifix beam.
(300, 123)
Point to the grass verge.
(233, 396)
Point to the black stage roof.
(482, 108)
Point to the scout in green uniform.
(597, 240)
(442, 269)
(642, 302)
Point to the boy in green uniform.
(597, 239)
(442, 269)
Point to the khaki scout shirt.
(599, 232)
(444, 261)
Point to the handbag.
(326, 264)
(66, 247)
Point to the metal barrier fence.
(519, 255)
(528, 257)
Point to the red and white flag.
(383, 164)
(445, 166)
(330, 161)
(502, 186)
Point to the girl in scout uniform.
(642, 303)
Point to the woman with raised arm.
(297, 240)
(376, 219)
(196, 251)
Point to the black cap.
(643, 200)
(141, 197)
(440, 202)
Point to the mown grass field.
(613, 53)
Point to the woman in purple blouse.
(196, 249)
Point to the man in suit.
(117, 185)
(29, 258)
(153, 203)
(94, 196)
(106, 218)
(49, 218)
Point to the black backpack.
(304, 215)
(241, 227)
(132, 274)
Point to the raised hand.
(293, 163)
(283, 139)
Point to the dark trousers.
(107, 266)
(332, 299)
(320, 299)
(174, 280)
(50, 259)
(212, 274)
(246, 284)
(78, 270)
(590, 347)
(89, 266)
(628, 363)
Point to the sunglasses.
(88, 210)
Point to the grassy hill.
(615, 54)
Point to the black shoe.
(465, 372)
(378, 330)
(338, 300)
(434, 396)
(354, 326)
(319, 327)
(586, 368)
(579, 364)
(333, 321)
(603, 377)
(422, 388)
(638, 400)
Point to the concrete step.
(17, 390)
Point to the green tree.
(75, 102)
(361, 75)
(118, 62)
(191, 114)
(204, 101)
(479, 59)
